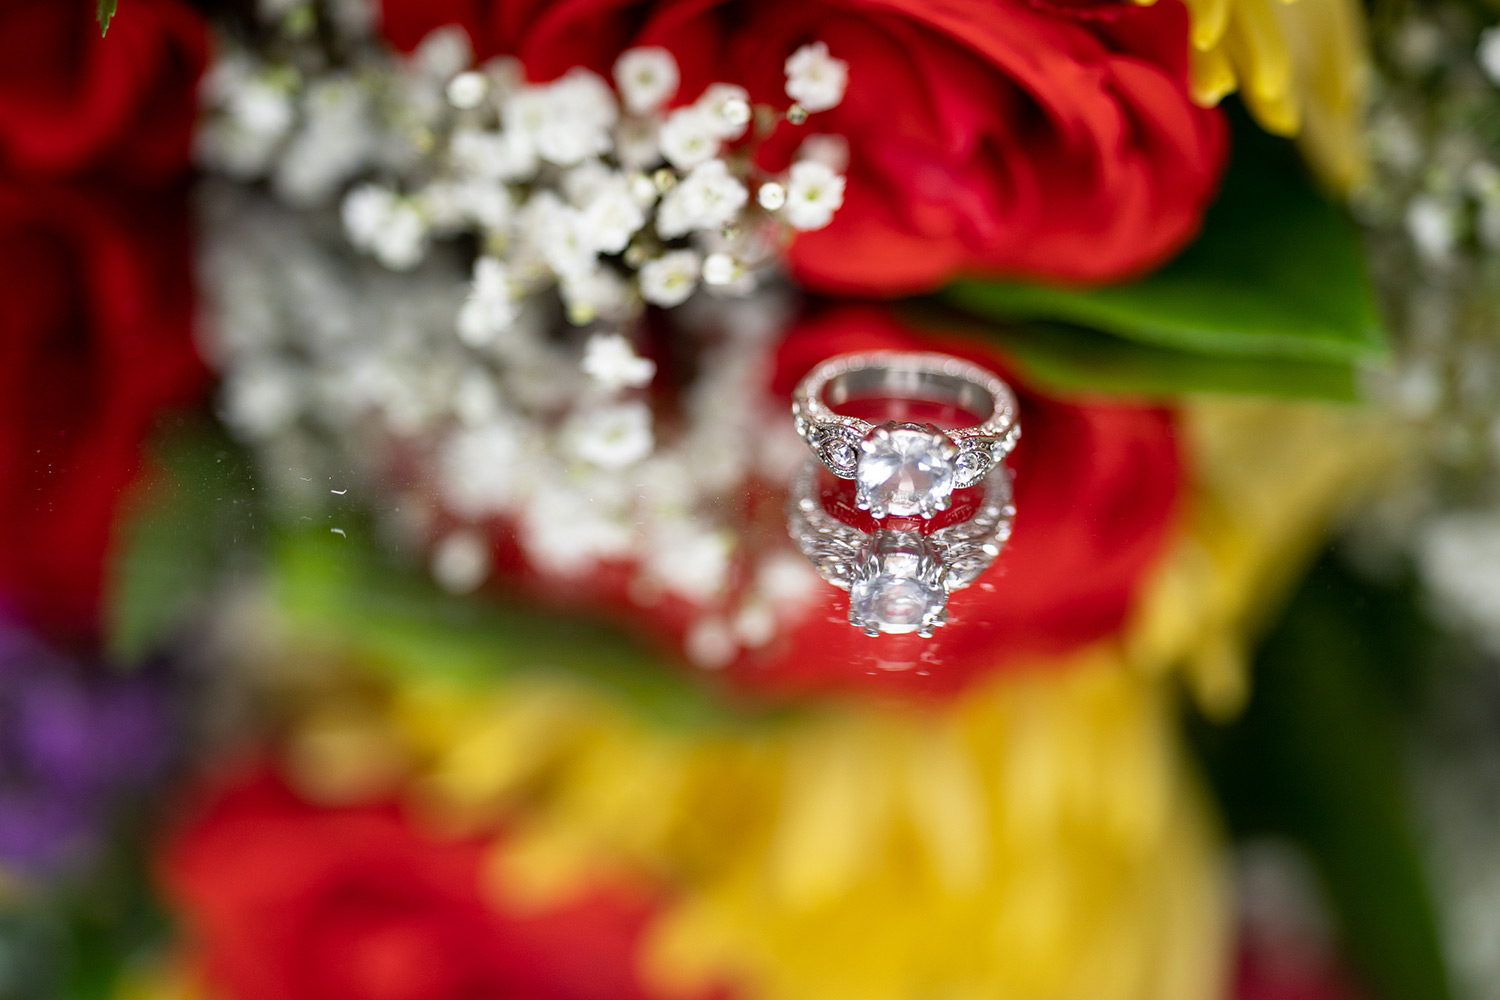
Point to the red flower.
(1042, 139)
(289, 901)
(71, 102)
(96, 300)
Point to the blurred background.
(398, 602)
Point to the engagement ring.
(906, 469)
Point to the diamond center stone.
(905, 469)
(897, 585)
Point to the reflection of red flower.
(72, 102)
(291, 901)
(1263, 974)
(97, 303)
(1047, 139)
(1096, 488)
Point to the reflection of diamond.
(897, 586)
(905, 469)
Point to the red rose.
(95, 304)
(72, 102)
(289, 901)
(986, 136)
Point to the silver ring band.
(906, 468)
(922, 570)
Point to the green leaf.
(193, 518)
(1318, 758)
(106, 13)
(1278, 273)
(1071, 360)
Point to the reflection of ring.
(899, 581)
(906, 468)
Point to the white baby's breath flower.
(1430, 224)
(728, 110)
(566, 244)
(708, 198)
(613, 217)
(814, 79)
(720, 269)
(689, 138)
(443, 53)
(771, 196)
(647, 78)
(600, 292)
(636, 146)
(813, 194)
(669, 279)
(467, 90)
(453, 206)
(615, 436)
(491, 308)
(610, 360)
(830, 150)
(389, 227)
(500, 156)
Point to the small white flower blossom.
(611, 437)
(499, 156)
(600, 292)
(720, 269)
(613, 217)
(689, 138)
(669, 279)
(461, 562)
(771, 196)
(566, 243)
(490, 308)
(830, 150)
(443, 53)
(647, 78)
(1429, 223)
(610, 360)
(477, 468)
(467, 90)
(451, 207)
(728, 110)
(389, 227)
(708, 198)
(813, 194)
(814, 79)
(636, 145)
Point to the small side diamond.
(972, 465)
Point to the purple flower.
(73, 741)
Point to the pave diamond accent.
(897, 586)
(838, 447)
(974, 462)
(905, 469)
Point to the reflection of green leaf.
(1277, 273)
(1317, 757)
(106, 13)
(191, 520)
(342, 594)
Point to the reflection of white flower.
(610, 360)
(670, 279)
(566, 529)
(688, 560)
(461, 561)
(611, 437)
(688, 137)
(814, 79)
(1488, 53)
(491, 307)
(262, 399)
(647, 78)
(813, 194)
(478, 466)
